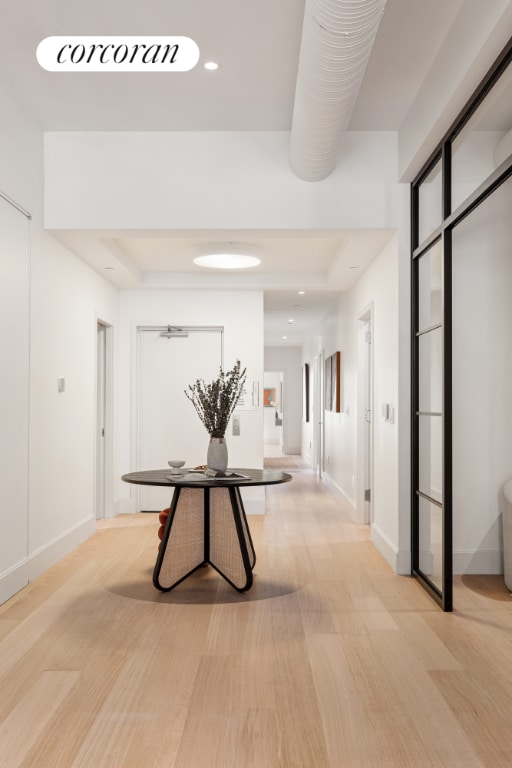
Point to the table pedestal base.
(212, 529)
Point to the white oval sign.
(92, 53)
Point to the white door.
(365, 421)
(318, 413)
(169, 425)
(101, 392)
(14, 397)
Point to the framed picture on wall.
(336, 382)
(269, 397)
(305, 392)
(327, 385)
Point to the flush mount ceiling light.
(227, 256)
(211, 65)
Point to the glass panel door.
(461, 361)
(431, 526)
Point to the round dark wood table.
(206, 524)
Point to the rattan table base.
(205, 525)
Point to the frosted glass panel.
(430, 541)
(430, 307)
(431, 371)
(430, 203)
(485, 141)
(482, 371)
(431, 456)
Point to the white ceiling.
(257, 45)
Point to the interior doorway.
(365, 417)
(273, 411)
(103, 477)
(317, 405)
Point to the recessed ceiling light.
(211, 66)
(227, 256)
(301, 293)
(290, 321)
(285, 337)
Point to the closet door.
(14, 397)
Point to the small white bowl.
(176, 467)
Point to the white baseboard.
(403, 562)
(464, 562)
(44, 557)
(13, 581)
(253, 500)
(254, 507)
(292, 450)
(398, 560)
(488, 561)
(337, 490)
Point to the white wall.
(467, 50)
(192, 180)
(288, 360)
(377, 288)
(240, 313)
(14, 394)
(482, 377)
(65, 300)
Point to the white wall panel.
(212, 181)
(14, 396)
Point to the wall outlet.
(236, 425)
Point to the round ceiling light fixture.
(227, 256)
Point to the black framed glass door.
(431, 502)
(454, 205)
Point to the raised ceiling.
(257, 45)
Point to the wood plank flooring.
(330, 661)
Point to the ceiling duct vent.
(337, 39)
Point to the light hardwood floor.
(330, 661)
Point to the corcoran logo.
(117, 54)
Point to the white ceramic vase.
(217, 456)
